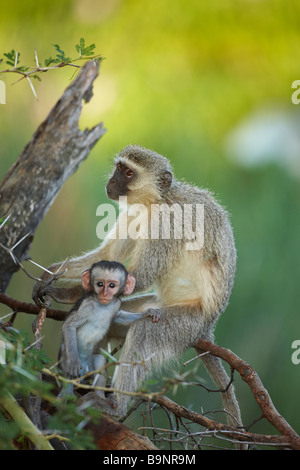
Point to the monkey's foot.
(107, 405)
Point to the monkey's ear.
(86, 280)
(129, 285)
(165, 180)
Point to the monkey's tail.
(220, 377)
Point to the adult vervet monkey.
(193, 286)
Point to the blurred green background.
(208, 85)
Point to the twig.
(14, 257)
(261, 395)
(37, 326)
(239, 435)
(17, 306)
(152, 422)
(131, 410)
(35, 70)
(77, 383)
(196, 357)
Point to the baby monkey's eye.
(100, 284)
(112, 285)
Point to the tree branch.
(261, 395)
(55, 151)
(233, 433)
(17, 306)
(20, 417)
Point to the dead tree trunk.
(54, 153)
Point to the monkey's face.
(119, 183)
(138, 182)
(106, 288)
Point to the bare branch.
(261, 395)
(17, 306)
(223, 429)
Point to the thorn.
(32, 87)
(39, 266)
(20, 241)
(16, 59)
(4, 221)
(36, 59)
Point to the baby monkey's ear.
(129, 285)
(86, 280)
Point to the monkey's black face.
(118, 183)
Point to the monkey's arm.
(62, 295)
(125, 317)
(121, 323)
(123, 320)
(139, 303)
(71, 270)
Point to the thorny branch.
(212, 426)
(261, 395)
(288, 438)
(32, 72)
(16, 260)
(32, 309)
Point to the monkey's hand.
(154, 313)
(40, 294)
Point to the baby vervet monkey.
(85, 329)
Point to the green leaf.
(61, 54)
(11, 56)
(60, 57)
(50, 61)
(23, 68)
(84, 50)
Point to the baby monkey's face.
(107, 287)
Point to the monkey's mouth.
(115, 191)
(105, 301)
(112, 194)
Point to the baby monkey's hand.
(154, 313)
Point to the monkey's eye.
(100, 284)
(129, 173)
(112, 285)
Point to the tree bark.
(54, 153)
(109, 434)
